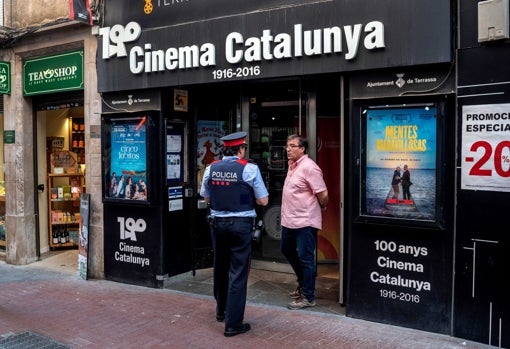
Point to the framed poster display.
(399, 172)
(176, 153)
(125, 160)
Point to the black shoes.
(233, 331)
(220, 315)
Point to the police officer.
(232, 186)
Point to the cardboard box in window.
(64, 161)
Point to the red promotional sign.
(79, 10)
(486, 147)
(328, 159)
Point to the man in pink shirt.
(304, 197)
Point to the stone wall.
(19, 157)
(34, 13)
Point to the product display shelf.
(64, 209)
(77, 142)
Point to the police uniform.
(232, 185)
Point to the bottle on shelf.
(55, 236)
(64, 212)
(62, 236)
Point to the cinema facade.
(373, 86)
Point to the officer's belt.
(234, 219)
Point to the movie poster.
(400, 167)
(209, 145)
(83, 232)
(128, 165)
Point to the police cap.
(234, 139)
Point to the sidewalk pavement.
(57, 305)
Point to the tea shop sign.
(5, 78)
(56, 73)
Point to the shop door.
(57, 128)
(311, 108)
(179, 196)
(276, 111)
(42, 161)
(270, 111)
(217, 113)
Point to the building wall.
(22, 13)
(482, 306)
(20, 219)
(1, 12)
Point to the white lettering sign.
(391, 283)
(269, 46)
(129, 227)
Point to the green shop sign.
(9, 136)
(5, 78)
(58, 73)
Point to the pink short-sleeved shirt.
(300, 206)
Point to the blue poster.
(128, 167)
(400, 177)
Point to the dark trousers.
(299, 247)
(231, 239)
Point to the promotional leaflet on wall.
(485, 159)
(83, 246)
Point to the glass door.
(216, 115)
(276, 110)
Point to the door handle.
(40, 187)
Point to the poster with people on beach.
(128, 161)
(400, 171)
